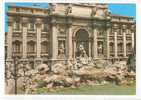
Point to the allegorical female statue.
(61, 51)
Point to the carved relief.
(61, 29)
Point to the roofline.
(114, 15)
(32, 7)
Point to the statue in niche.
(82, 55)
(100, 49)
(61, 51)
(82, 51)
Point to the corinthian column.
(133, 36)
(89, 46)
(115, 37)
(9, 38)
(95, 43)
(69, 42)
(124, 40)
(24, 39)
(38, 25)
(108, 51)
(54, 40)
(38, 39)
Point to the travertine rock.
(59, 68)
(43, 68)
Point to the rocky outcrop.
(66, 76)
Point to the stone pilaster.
(90, 47)
(133, 36)
(38, 60)
(124, 40)
(54, 40)
(24, 37)
(115, 38)
(9, 38)
(115, 43)
(38, 25)
(108, 48)
(95, 43)
(133, 40)
(69, 42)
(74, 47)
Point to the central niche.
(82, 39)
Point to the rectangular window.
(31, 26)
(44, 27)
(17, 26)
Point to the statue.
(100, 49)
(61, 51)
(82, 51)
(83, 56)
(68, 9)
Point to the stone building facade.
(47, 35)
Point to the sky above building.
(117, 9)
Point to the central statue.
(82, 51)
(82, 55)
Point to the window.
(111, 47)
(31, 47)
(44, 27)
(44, 47)
(128, 47)
(31, 26)
(17, 9)
(17, 25)
(16, 47)
(120, 47)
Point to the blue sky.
(119, 9)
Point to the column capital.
(124, 26)
(24, 21)
(38, 22)
(115, 26)
(53, 22)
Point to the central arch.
(82, 38)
